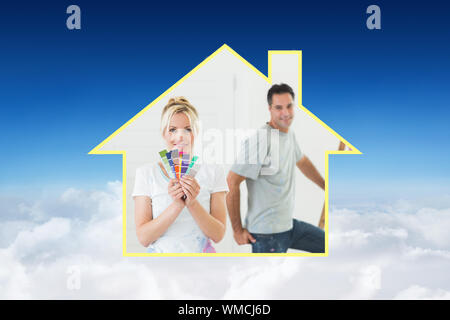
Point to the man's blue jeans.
(303, 236)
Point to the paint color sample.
(184, 164)
(172, 167)
(181, 162)
(191, 164)
(165, 163)
(176, 162)
(194, 170)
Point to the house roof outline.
(268, 78)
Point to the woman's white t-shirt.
(183, 235)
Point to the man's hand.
(243, 237)
(233, 198)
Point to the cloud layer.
(69, 246)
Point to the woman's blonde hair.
(177, 105)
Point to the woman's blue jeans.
(303, 236)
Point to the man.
(269, 224)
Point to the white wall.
(227, 94)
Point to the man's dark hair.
(279, 89)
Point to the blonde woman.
(174, 216)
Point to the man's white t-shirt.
(271, 195)
(183, 235)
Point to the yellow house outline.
(268, 78)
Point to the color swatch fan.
(179, 164)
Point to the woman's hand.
(191, 188)
(176, 192)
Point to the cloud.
(41, 238)
(259, 282)
(72, 203)
(416, 292)
(365, 283)
(10, 229)
(395, 250)
(14, 282)
(85, 233)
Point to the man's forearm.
(310, 171)
(234, 208)
(322, 219)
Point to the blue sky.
(386, 91)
